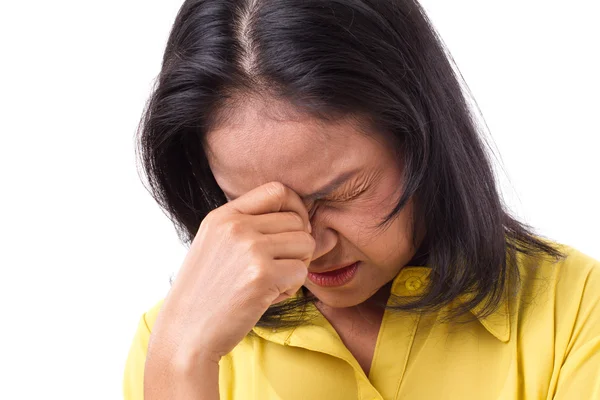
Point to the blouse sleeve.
(579, 376)
(133, 379)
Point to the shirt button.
(413, 283)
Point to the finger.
(297, 245)
(291, 275)
(277, 222)
(271, 197)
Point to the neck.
(370, 311)
(421, 255)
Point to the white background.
(85, 250)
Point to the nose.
(325, 239)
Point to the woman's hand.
(247, 255)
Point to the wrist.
(189, 361)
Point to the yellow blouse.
(543, 343)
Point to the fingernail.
(309, 227)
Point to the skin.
(266, 142)
(257, 249)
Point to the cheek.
(389, 244)
(356, 222)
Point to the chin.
(338, 298)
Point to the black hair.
(381, 59)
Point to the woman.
(347, 239)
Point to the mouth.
(334, 268)
(336, 276)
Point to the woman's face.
(305, 155)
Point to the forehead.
(261, 143)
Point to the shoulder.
(144, 328)
(133, 377)
(577, 287)
(574, 273)
(577, 262)
(150, 315)
(559, 321)
(579, 271)
(560, 296)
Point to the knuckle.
(214, 215)
(257, 245)
(256, 271)
(208, 219)
(234, 227)
(277, 189)
(215, 219)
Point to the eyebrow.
(325, 190)
(330, 187)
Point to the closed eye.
(332, 200)
(349, 195)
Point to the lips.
(334, 277)
(329, 269)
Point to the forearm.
(182, 379)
